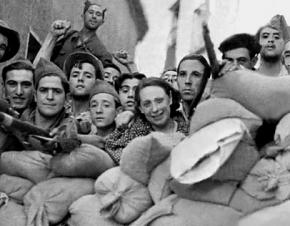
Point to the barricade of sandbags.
(268, 97)
(31, 165)
(48, 201)
(12, 214)
(173, 211)
(84, 161)
(14, 187)
(86, 212)
(143, 154)
(215, 109)
(121, 197)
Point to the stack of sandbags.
(215, 109)
(15, 187)
(11, 213)
(265, 96)
(48, 201)
(173, 211)
(84, 161)
(31, 165)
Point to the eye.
(88, 75)
(11, 83)
(146, 104)
(182, 73)
(27, 84)
(197, 74)
(58, 91)
(74, 75)
(159, 100)
(42, 89)
(124, 89)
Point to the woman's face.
(155, 105)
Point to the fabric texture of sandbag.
(188, 213)
(200, 155)
(32, 165)
(214, 109)
(143, 154)
(12, 214)
(268, 97)
(121, 197)
(86, 212)
(282, 132)
(84, 161)
(14, 187)
(48, 202)
(159, 183)
(278, 215)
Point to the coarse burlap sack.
(32, 165)
(48, 202)
(268, 97)
(173, 211)
(121, 197)
(84, 161)
(282, 131)
(86, 212)
(14, 187)
(215, 109)
(159, 181)
(143, 154)
(210, 152)
(12, 214)
(278, 215)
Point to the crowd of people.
(75, 91)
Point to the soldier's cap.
(13, 41)
(83, 57)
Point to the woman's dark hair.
(205, 77)
(168, 89)
(119, 81)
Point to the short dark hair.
(168, 89)
(17, 65)
(79, 64)
(205, 77)
(242, 40)
(119, 81)
(64, 84)
(87, 5)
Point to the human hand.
(122, 56)
(124, 118)
(228, 66)
(59, 28)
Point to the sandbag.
(278, 215)
(12, 214)
(268, 97)
(121, 197)
(32, 165)
(214, 109)
(188, 213)
(14, 187)
(86, 212)
(159, 183)
(202, 154)
(48, 201)
(84, 161)
(143, 154)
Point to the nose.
(19, 90)
(50, 95)
(154, 107)
(188, 79)
(131, 93)
(81, 77)
(99, 109)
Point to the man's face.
(111, 74)
(50, 96)
(171, 78)
(3, 45)
(272, 44)
(82, 80)
(127, 93)
(93, 17)
(155, 105)
(103, 110)
(19, 88)
(239, 56)
(286, 56)
(189, 79)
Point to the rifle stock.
(210, 51)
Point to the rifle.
(215, 67)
